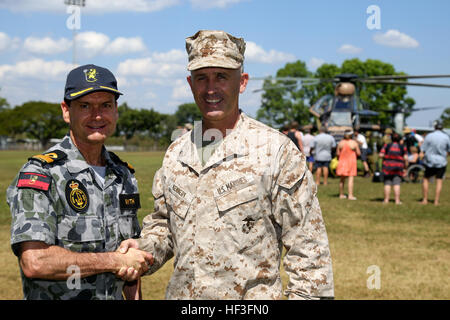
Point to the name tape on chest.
(34, 180)
(235, 184)
(129, 201)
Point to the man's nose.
(96, 113)
(211, 86)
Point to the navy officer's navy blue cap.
(87, 79)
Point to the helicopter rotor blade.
(411, 110)
(276, 87)
(284, 78)
(426, 108)
(402, 83)
(406, 77)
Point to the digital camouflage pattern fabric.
(212, 48)
(75, 211)
(227, 221)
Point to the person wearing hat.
(434, 152)
(72, 205)
(231, 194)
(387, 138)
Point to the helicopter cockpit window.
(323, 105)
(340, 119)
(344, 103)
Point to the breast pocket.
(81, 233)
(178, 201)
(239, 210)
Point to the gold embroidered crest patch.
(77, 196)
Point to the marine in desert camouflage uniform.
(66, 219)
(225, 210)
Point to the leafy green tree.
(4, 117)
(283, 101)
(284, 104)
(445, 118)
(167, 126)
(142, 122)
(325, 71)
(129, 121)
(188, 113)
(380, 97)
(39, 120)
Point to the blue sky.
(142, 42)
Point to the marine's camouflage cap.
(212, 48)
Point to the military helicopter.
(344, 110)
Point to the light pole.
(80, 4)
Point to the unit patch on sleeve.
(129, 201)
(77, 196)
(34, 181)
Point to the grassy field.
(409, 244)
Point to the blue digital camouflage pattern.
(99, 226)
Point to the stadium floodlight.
(78, 3)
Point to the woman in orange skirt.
(347, 152)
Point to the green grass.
(409, 243)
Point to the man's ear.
(65, 112)
(243, 82)
(189, 80)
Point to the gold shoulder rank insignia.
(49, 157)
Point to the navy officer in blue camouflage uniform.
(72, 205)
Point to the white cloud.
(395, 39)
(100, 6)
(91, 43)
(314, 63)
(150, 67)
(349, 49)
(181, 90)
(88, 44)
(36, 69)
(208, 4)
(7, 43)
(255, 53)
(123, 45)
(97, 6)
(173, 55)
(46, 45)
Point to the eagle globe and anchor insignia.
(77, 196)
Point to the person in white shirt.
(307, 143)
(362, 142)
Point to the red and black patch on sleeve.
(34, 180)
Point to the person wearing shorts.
(434, 152)
(322, 147)
(395, 160)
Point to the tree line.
(42, 120)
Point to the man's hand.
(130, 272)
